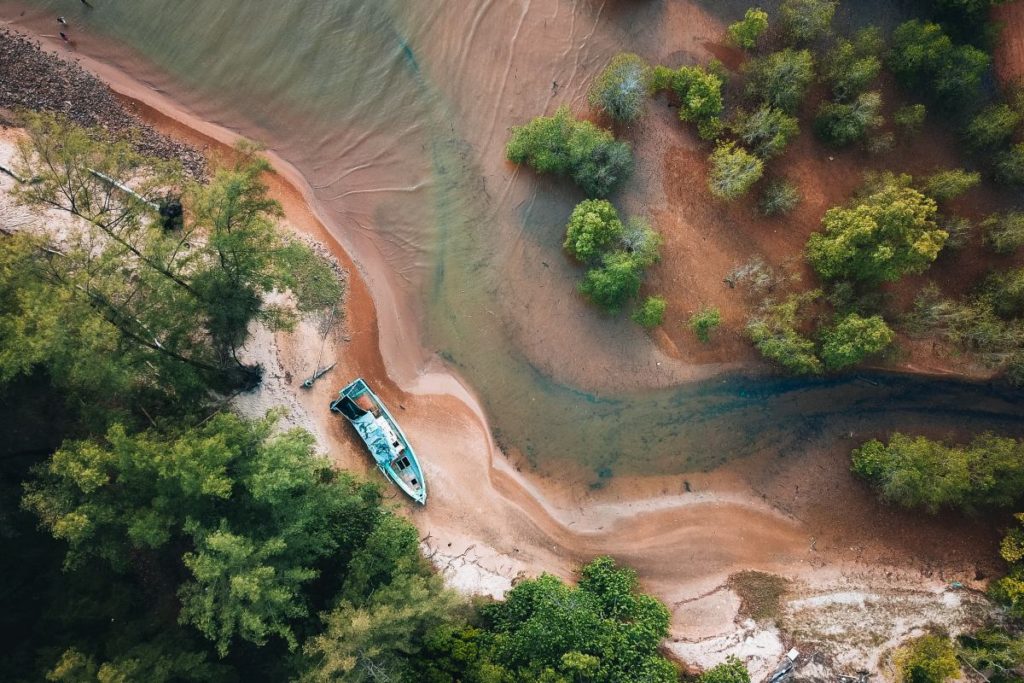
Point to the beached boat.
(383, 437)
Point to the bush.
(946, 185)
(1004, 232)
(993, 126)
(1010, 165)
(563, 145)
(621, 89)
(807, 20)
(704, 321)
(853, 338)
(841, 124)
(928, 659)
(1005, 290)
(733, 170)
(910, 118)
(923, 55)
(745, 33)
(766, 131)
(779, 198)
(775, 334)
(593, 226)
(885, 235)
(916, 472)
(851, 66)
(780, 79)
(614, 282)
(700, 99)
(959, 230)
(730, 671)
(651, 312)
(641, 242)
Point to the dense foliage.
(733, 170)
(704, 322)
(777, 333)
(593, 227)
(851, 66)
(744, 33)
(807, 20)
(780, 79)
(924, 56)
(928, 659)
(563, 145)
(852, 338)
(651, 312)
(621, 89)
(700, 98)
(840, 124)
(765, 131)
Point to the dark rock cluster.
(33, 79)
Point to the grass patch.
(760, 594)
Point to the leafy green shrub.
(852, 338)
(614, 282)
(1004, 232)
(883, 236)
(780, 79)
(923, 55)
(946, 185)
(651, 312)
(993, 126)
(563, 145)
(991, 651)
(641, 242)
(730, 671)
(842, 124)
(779, 198)
(621, 89)
(916, 472)
(700, 99)
(910, 118)
(704, 321)
(775, 334)
(851, 66)
(593, 226)
(804, 21)
(733, 170)
(928, 659)
(744, 33)
(1010, 165)
(766, 131)
(1005, 289)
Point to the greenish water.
(391, 110)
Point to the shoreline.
(507, 522)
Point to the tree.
(621, 89)
(593, 227)
(851, 66)
(603, 630)
(852, 338)
(733, 170)
(1010, 165)
(651, 312)
(843, 124)
(780, 79)
(923, 55)
(993, 126)
(992, 651)
(563, 145)
(700, 99)
(704, 321)
(910, 118)
(804, 21)
(641, 242)
(1004, 232)
(731, 670)
(928, 659)
(744, 33)
(916, 472)
(775, 333)
(766, 131)
(946, 185)
(779, 198)
(883, 236)
(614, 282)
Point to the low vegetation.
(621, 89)
(704, 322)
(928, 659)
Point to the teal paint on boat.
(382, 435)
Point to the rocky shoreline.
(33, 79)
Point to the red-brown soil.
(1009, 53)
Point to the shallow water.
(396, 112)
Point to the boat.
(382, 435)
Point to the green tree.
(700, 99)
(614, 282)
(923, 55)
(779, 198)
(563, 145)
(883, 236)
(992, 651)
(641, 242)
(733, 171)
(843, 124)
(765, 131)
(1010, 165)
(993, 126)
(621, 89)
(804, 21)
(731, 670)
(853, 65)
(1004, 232)
(651, 312)
(744, 33)
(593, 227)
(704, 321)
(910, 118)
(946, 185)
(928, 659)
(780, 79)
(852, 338)
(776, 334)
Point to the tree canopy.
(621, 89)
